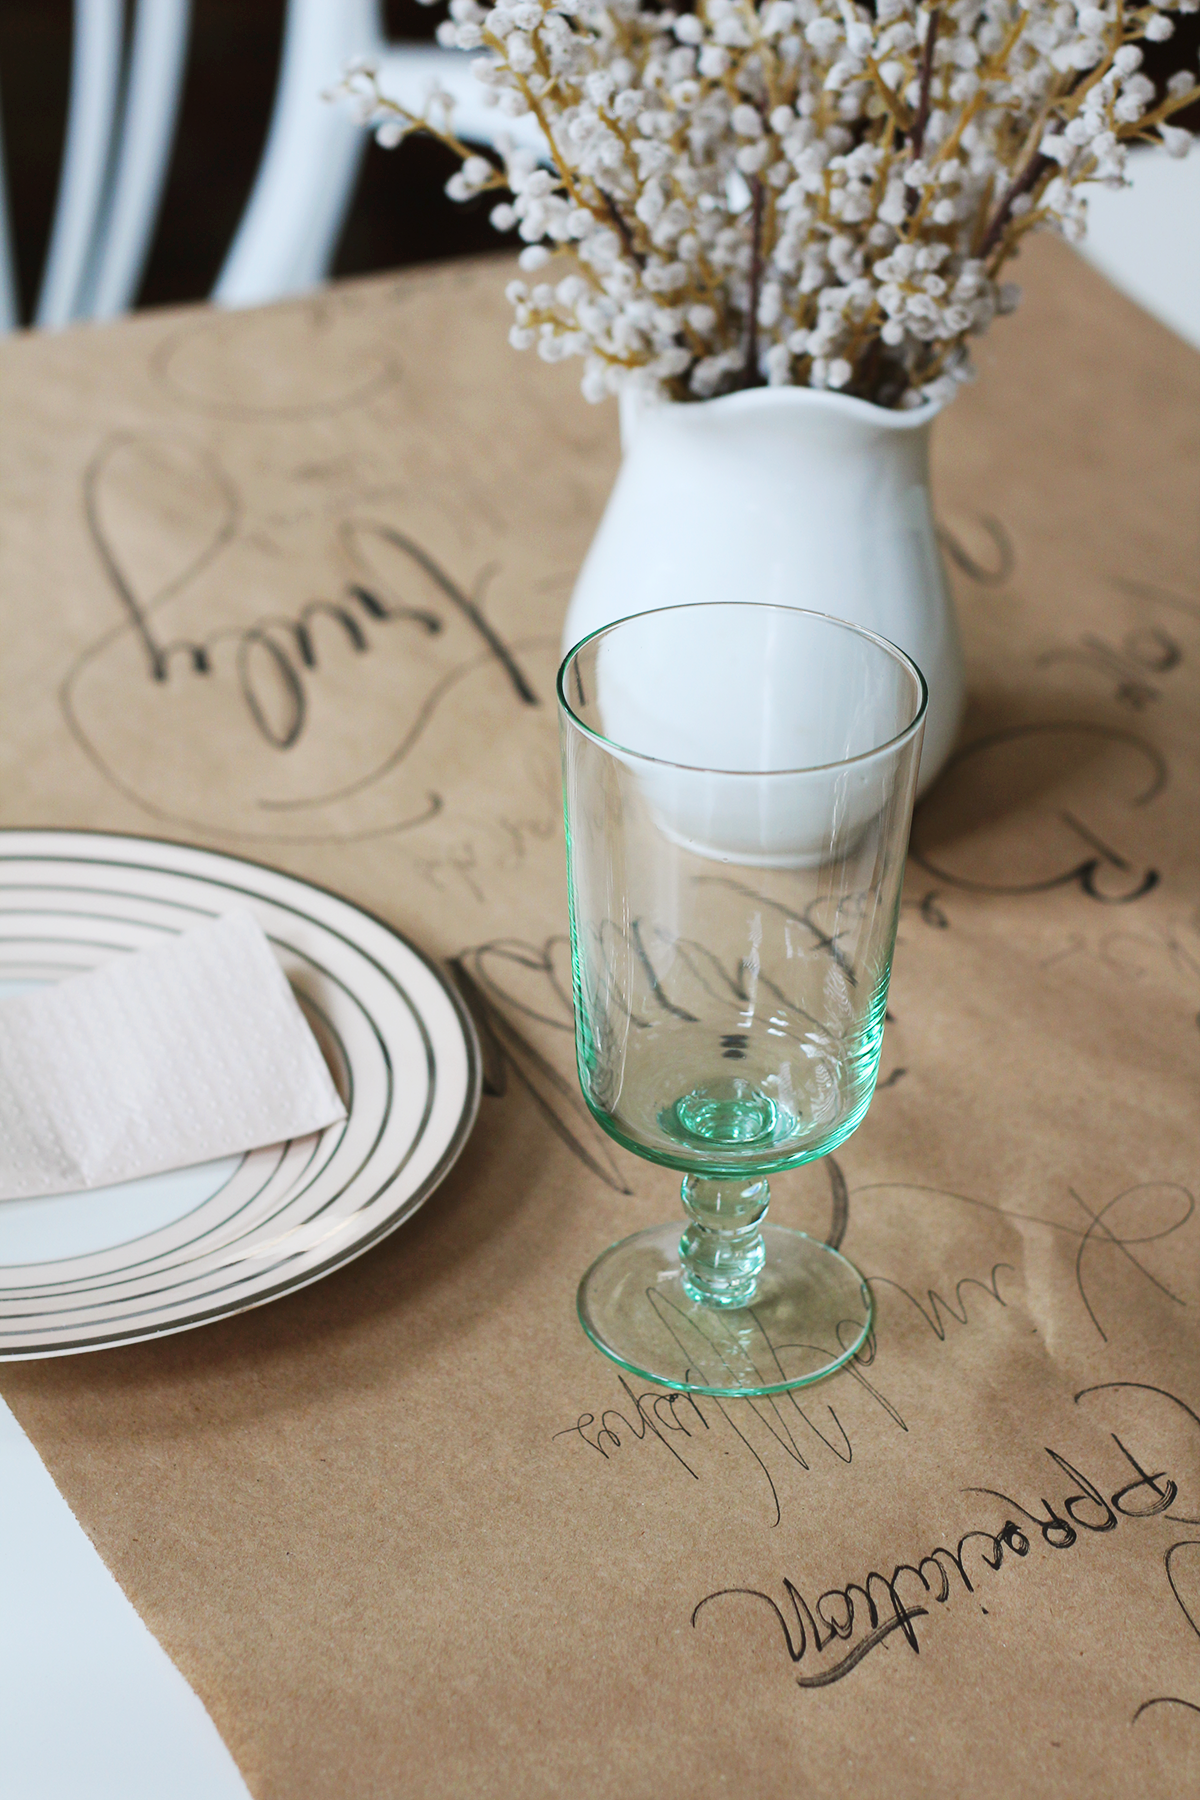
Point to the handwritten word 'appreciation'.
(846, 1623)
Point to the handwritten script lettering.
(841, 1628)
(770, 1427)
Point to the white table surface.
(91, 1708)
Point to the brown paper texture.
(406, 1532)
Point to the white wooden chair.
(121, 121)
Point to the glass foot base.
(810, 1313)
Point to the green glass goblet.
(738, 784)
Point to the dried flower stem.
(1037, 166)
(622, 225)
(922, 119)
(750, 374)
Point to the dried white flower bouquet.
(803, 192)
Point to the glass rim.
(892, 744)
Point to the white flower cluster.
(792, 191)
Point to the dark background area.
(400, 214)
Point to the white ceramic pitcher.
(791, 495)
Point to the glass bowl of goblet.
(738, 787)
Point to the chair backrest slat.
(95, 83)
(407, 73)
(10, 309)
(292, 220)
(149, 117)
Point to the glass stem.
(722, 1248)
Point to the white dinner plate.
(88, 1270)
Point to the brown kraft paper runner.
(406, 1532)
